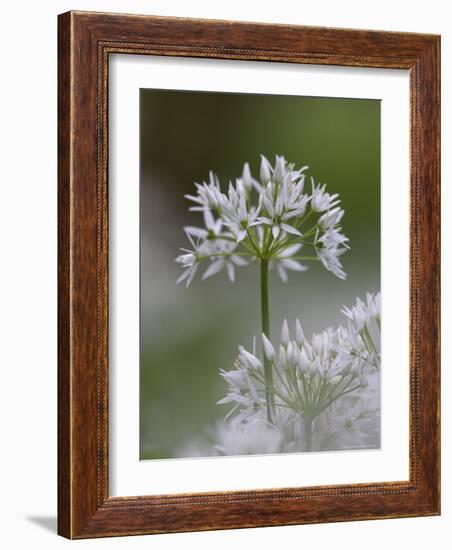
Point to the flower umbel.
(266, 220)
(309, 376)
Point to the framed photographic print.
(248, 275)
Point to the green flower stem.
(267, 240)
(254, 245)
(266, 330)
(274, 390)
(308, 433)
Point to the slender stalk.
(266, 330)
(308, 433)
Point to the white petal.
(194, 198)
(191, 275)
(238, 260)
(293, 265)
(195, 231)
(275, 231)
(246, 176)
(279, 172)
(282, 273)
(225, 400)
(295, 213)
(285, 336)
(241, 235)
(192, 242)
(282, 355)
(290, 229)
(214, 268)
(290, 250)
(299, 334)
(186, 259)
(231, 271)
(257, 222)
(184, 275)
(209, 219)
(279, 205)
(250, 358)
(268, 205)
(265, 171)
(269, 350)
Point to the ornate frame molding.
(85, 42)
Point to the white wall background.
(28, 270)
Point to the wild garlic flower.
(320, 199)
(246, 391)
(236, 213)
(191, 258)
(363, 313)
(308, 375)
(266, 221)
(283, 198)
(222, 256)
(284, 261)
(207, 194)
(212, 229)
(364, 320)
(329, 256)
(248, 181)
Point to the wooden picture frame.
(85, 42)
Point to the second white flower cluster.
(309, 376)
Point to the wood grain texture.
(64, 295)
(85, 42)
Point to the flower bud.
(299, 335)
(282, 356)
(279, 169)
(269, 350)
(265, 173)
(303, 362)
(285, 336)
(247, 179)
(292, 354)
(250, 360)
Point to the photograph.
(260, 244)
(224, 236)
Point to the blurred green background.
(188, 335)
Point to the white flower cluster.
(264, 220)
(329, 380)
